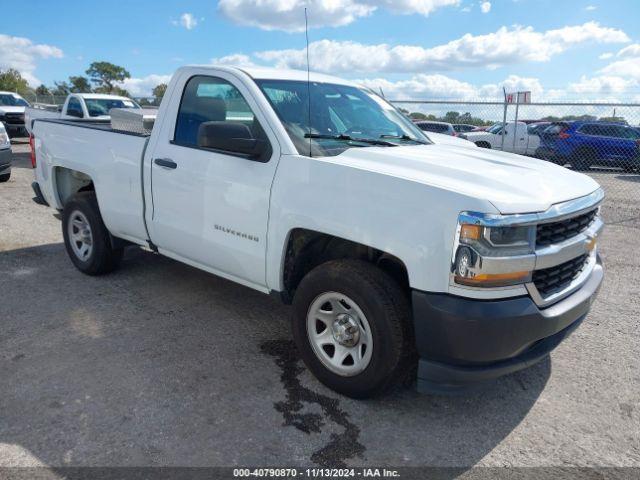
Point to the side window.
(74, 108)
(588, 129)
(210, 99)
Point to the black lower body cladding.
(462, 342)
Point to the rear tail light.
(563, 135)
(33, 150)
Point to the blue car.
(583, 144)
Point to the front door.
(210, 207)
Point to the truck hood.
(8, 109)
(512, 183)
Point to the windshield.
(496, 128)
(98, 107)
(341, 117)
(12, 101)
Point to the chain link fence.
(599, 139)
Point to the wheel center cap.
(346, 331)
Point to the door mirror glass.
(233, 137)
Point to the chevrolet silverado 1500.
(394, 251)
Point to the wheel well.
(306, 249)
(483, 144)
(69, 182)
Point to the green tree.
(12, 81)
(106, 75)
(160, 90)
(80, 84)
(418, 116)
(61, 89)
(42, 90)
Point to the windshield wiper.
(404, 137)
(347, 138)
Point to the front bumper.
(462, 342)
(5, 161)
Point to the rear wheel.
(86, 238)
(5, 177)
(352, 327)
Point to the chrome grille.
(557, 232)
(555, 279)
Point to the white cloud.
(504, 47)
(602, 85)
(187, 20)
(606, 55)
(590, 8)
(142, 87)
(441, 87)
(236, 60)
(22, 54)
(629, 68)
(630, 51)
(485, 7)
(288, 15)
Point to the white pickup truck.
(12, 108)
(84, 106)
(498, 138)
(393, 250)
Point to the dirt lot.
(161, 364)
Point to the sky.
(411, 49)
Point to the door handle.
(166, 163)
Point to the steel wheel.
(80, 235)
(339, 334)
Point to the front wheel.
(352, 327)
(86, 238)
(5, 178)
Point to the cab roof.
(264, 73)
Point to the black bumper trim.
(463, 341)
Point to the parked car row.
(579, 143)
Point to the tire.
(100, 257)
(483, 145)
(5, 177)
(381, 310)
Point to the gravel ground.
(161, 364)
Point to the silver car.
(5, 155)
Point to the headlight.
(492, 255)
(4, 139)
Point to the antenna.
(306, 33)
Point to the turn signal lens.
(495, 279)
(470, 232)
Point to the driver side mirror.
(233, 137)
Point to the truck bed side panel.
(111, 159)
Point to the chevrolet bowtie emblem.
(591, 243)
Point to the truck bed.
(111, 158)
(102, 125)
